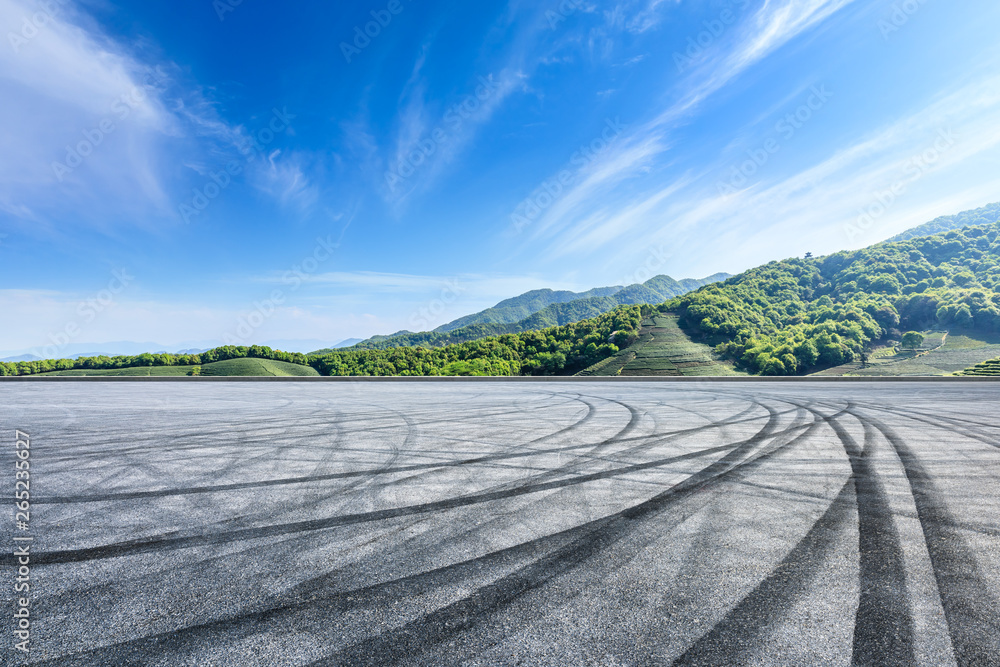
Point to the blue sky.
(266, 172)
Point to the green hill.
(663, 348)
(989, 368)
(555, 351)
(138, 371)
(253, 360)
(559, 313)
(986, 215)
(520, 307)
(257, 368)
(840, 314)
(799, 315)
(942, 353)
(230, 368)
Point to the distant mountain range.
(540, 309)
(521, 307)
(537, 309)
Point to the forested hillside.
(986, 215)
(783, 318)
(104, 363)
(555, 351)
(790, 316)
(520, 307)
(560, 313)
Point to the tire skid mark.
(946, 423)
(232, 466)
(383, 470)
(163, 542)
(883, 629)
(736, 634)
(314, 594)
(167, 541)
(263, 428)
(135, 495)
(883, 625)
(518, 451)
(320, 495)
(572, 546)
(436, 627)
(653, 440)
(571, 467)
(969, 608)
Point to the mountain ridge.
(984, 215)
(491, 322)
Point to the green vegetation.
(236, 367)
(986, 215)
(152, 364)
(231, 368)
(139, 371)
(941, 354)
(256, 368)
(559, 309)
(519, 308)
(989, 368)
(663, 348)
(835, 315)
(793, 316)
(912, 340)
(553, 351)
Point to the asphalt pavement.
(443, 523)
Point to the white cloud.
(95, 132)
(931, 156)
(648, 17)
(79, 98)
(600, 187)
(331, 306)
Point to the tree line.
(551, 351)
(147, 359)
(790, 316)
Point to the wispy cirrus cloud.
(907, 172)
(98, 129)
(600, 196)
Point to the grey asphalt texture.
(509, 523)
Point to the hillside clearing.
(662, 349)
